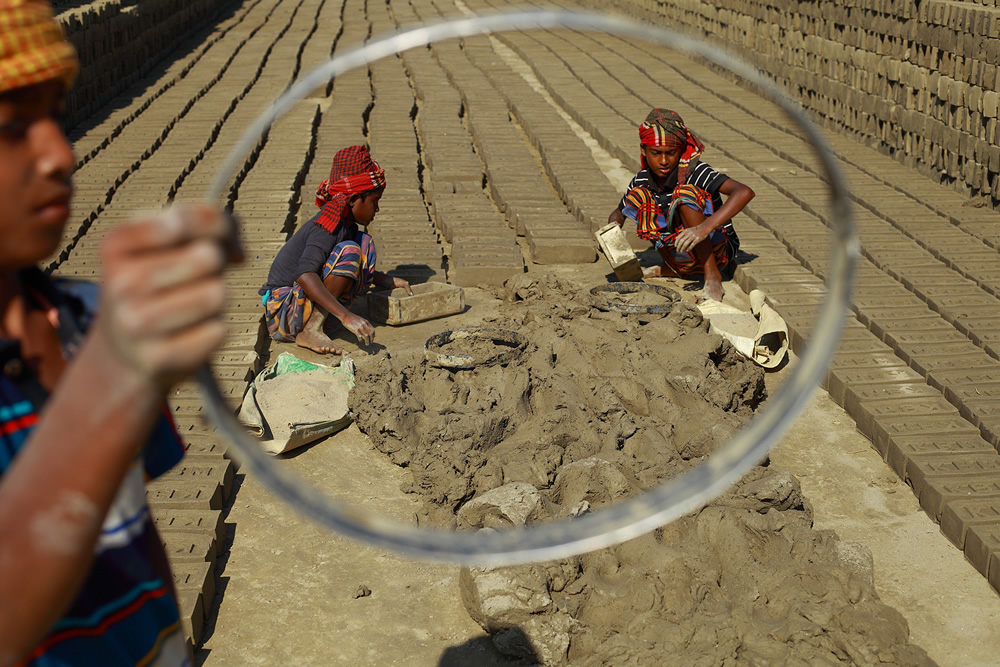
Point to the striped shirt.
(702, 176)
(125, 613)
(354, 260)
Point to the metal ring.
(511, 345)
(624, 520)
(603, 297)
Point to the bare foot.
(713, 289)
(317, 342)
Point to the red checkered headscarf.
(33, 48)
(664, 127)
(353, 172)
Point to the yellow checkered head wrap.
(33, 48)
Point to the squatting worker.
(675, 201)
(83, 575)
(329, 261)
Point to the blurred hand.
(163, 295)
(360, 327)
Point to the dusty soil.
(601, 406)
(749, 578)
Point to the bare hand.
(399, 282)
(689, 237)
(360, 327)
(163, 295)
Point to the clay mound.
(600, 406)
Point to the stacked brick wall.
(120, 41)
(917, 79)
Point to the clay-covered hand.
(689, 237)
(399, 282)
(163, 295)
(360, 327)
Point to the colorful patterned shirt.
(701, 176)
(125, 613)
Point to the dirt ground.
(294, 593)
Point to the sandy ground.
(291, 588)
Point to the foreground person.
(675, 201)
(83, 575)
(329, 261)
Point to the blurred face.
(36, 162)
(365, 207)
(662, 159)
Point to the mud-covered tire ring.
(608, 297)
(511, 342)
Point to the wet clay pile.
(598, 406)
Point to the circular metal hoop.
(510, 345)
(625, 520)
(610, 297)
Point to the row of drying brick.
(547, 202)
(119, 42)
(481, 243)
(406, 234)
(953, 470)
(103, 128)
(264, 211)
(461, 111)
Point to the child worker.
(329, 261)
(83, 378)
(675, 201)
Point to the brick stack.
(407, 241)
(515, 181)
(481, 248)
(119, 41)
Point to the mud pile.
(599, 406)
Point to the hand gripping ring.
(624, 520)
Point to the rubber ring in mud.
(507, 346)
(630, 517)
(608, 297)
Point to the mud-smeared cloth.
(33, 48)
(760, 335)
(664, 127)
(353, 172)
(287, 309)
(294, 402)
(651, 224)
